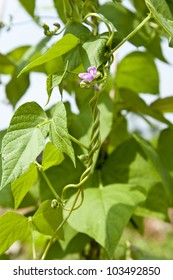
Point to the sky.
(22, 34)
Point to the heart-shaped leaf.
(59, 135)
(13, 227)
(138, 72)
(159, 167)
(23, 142)
(47, 219)
(111, 207)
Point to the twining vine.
(91, 79)
(95, 79)
(93, 147)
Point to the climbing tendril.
(93, 147)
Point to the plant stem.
(49, 184)
(32, 239)
(61, 225)
(93, 147)
(44, 123)
(78, 142)
(131, 34)
(107, 23)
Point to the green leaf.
(92, 52)
(17, 53)
(74, 58)
(112, 208)
(30, 201)
(69, 234)
(170, 4)
(29, 6)
(161, 13)
(125, 21)
(119, 132)
(47, 219)
(62, 46)
(23, 184)
(57, 178)
(138, 72)
(24, 141)
(165, 149)
(128, 165)
(159, 167)
(59, 135)
(54, 80)
(80, 31)
(13, 227)
(164, 105)
(6, 197)
(134, 103)
(51, 156)
(31, 53)
(140, 6)
(143, 173)
(106, 116)
(81, 125)
(171, 42)
(2, 134)
(84, 34)
(59, 5)
(155, 48)
(115, 168)
(121, 17)
(156, 204)
(16, 88)
(7, 66)
(49, 87)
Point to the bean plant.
(74, 180)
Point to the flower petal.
(90, 77)
(83, 75)
(92, 70)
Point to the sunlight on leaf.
(112, 207)
(62, 46)
(13, 227)
(59, 132)
(51, 156)
(22, 185)
(23, 142)
(159, 167)
(138, 72)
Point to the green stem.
(44, 123)
(61, 225)
(131, 34)
(78, 142)
(107, 23)
(49, 184)
(32, 239)
(93, 147)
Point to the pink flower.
(89, 75)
